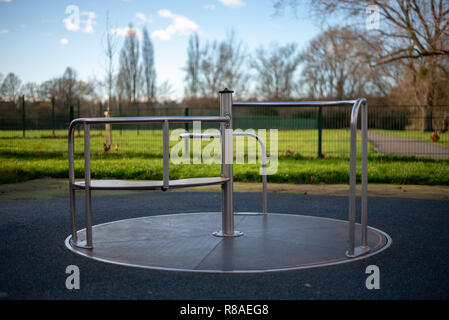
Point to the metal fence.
(303, 132)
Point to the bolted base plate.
(80, 244)
(358, 251)
(221, 234)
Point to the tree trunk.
(431, 95)
(426, 113)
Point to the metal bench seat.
(149, 184)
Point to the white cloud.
(64, 41)
(6, 0)
(180, 25)
(233, 3)
(142, 18)
(126, 32)
(3, 31)
(209, 6)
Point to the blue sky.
(37, 44)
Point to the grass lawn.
(139, 157)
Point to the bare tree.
(110, 51)
(149, 70)
(192, 68)
(10, 88)
(30, 90)
(123, 85)
(48, 89)
(1, 83)
(67, 86)
(165, 91)
(336, 66)
(234, 59)
(214, 66)
(129, 64)
(413, 32)
(275, 69)
(211, 68)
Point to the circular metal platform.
(184, 242)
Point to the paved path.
(385, 143)
(33, 258)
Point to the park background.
(395, 54)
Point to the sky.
(40, 38)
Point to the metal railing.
(87, 122)
(225, 120)
(356, 105)
(263, 150)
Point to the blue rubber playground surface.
(33, 258)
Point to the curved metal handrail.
(264, 156)
(342, 103)
(356, 106)
(363, 248)
(87, 122)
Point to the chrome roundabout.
(246, 242)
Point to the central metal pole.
(227, 154)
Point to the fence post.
(71, 115)
(187, 141)
(320, 131)
(120, 114)
(79, 115)
(23, 116)
(101, 109)
(138, 114)
(53, 115)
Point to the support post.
(71, 183)
(87, 186)
(71, 113)
(354, 251)
(53, 116)
(166, 156)
(320, 131)
(364, 217)
(352, 185)
(23, 116)
(186, 141)
(138, 114)
(78, 113)
(227, 201)
(120, 115)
